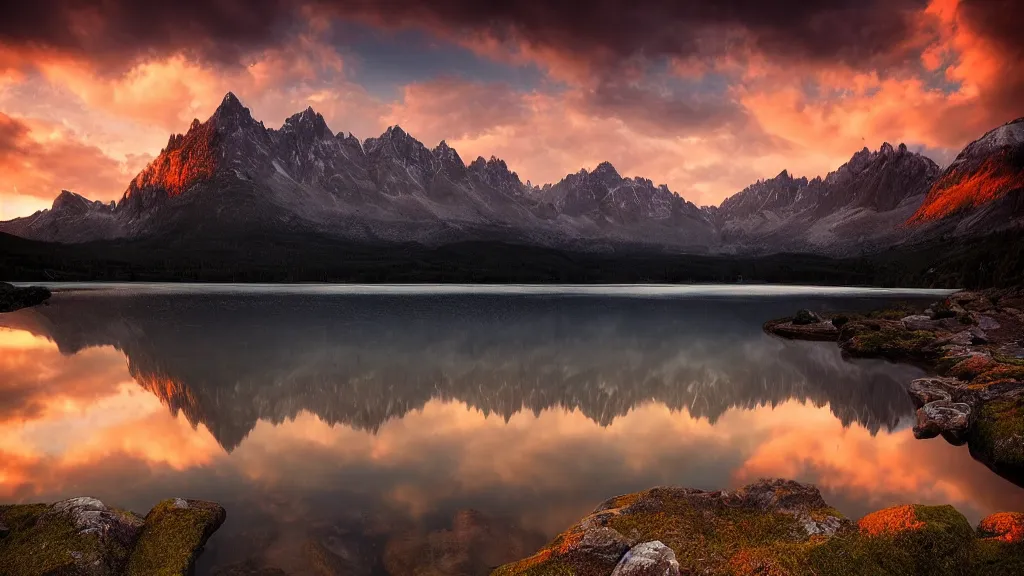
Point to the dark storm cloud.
(117, 32)
(855, 31)
(998, 20)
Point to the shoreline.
(972, 345)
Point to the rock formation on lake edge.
(84, 537)
(972, 341)
(772, 527)
(14, 298)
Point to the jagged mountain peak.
(447, 154)
(307, 121)
(231, 110)
(68, 200)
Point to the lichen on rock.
(85, 537)
(175, 531)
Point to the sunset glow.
(704, 100)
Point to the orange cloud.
(38, 159)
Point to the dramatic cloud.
(703, 96)
(38, 159)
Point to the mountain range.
(232, 177)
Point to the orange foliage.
(890, 521)
(538, 558)
(569, 542)
(185, 161)
(955, 192)
(972, 367)
(747, 561)
(1004, 526)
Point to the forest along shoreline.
(971, 343)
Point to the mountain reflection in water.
(355, 434)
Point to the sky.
(705, 97)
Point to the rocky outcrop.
(776, 527)
(972, 342)
(980, 187)
(14, 298)
(84, 537)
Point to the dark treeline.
(997, 260)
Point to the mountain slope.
(981, 189)
(71, 218)
(855, 209)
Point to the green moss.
(995, 558)
(997, 436)
(1011, 360)
(1000, 373)
(707, 538)
(892, 313)
(892, 343)
(172, 537)
(41, 543)
(941, 546)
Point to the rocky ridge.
(231, 176)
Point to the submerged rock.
(758, 530)
(14, 298)
(84, 537)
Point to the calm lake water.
(444, 430)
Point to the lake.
(440, 430)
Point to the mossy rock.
(174, 533)
(899, 541)
(1000, 552)
(80, 536)
(997, 437)
(888, 340)
(709, 532)
(782, 528)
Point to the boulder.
(921, 322)
(820, 331)
(174, 533)
(648, 559)
(78, 536)
(950, 419)
(1003, 526)
(986, 322)
(804, 317)
(926, 390)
